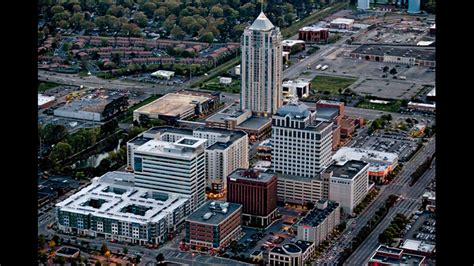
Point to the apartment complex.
(114, 208)
(213, 226)
(257, 192)
(348, 183)
(177, 167)
(291, 254)
(261, 67)
(319, 222)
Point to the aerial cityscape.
(236, 132)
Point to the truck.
(318, 67)
(324, 67)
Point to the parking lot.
(387, 89)
(338, 61)
(279, 233)
(397, 143)
(423, 228)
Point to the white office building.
(177, 167)
(348, 183)
(225, 150)
(261, 68)
(301, 145)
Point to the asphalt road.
(411, 202)
(399, 186)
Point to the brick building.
(257, 192)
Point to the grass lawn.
(128, 116)
(393, 106)
(331, 84)
(44, 86)
(219, 70)
(214, 85)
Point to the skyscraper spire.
(261, 6)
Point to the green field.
(331, 84)
(393, 106)
(217, 71)
(214, 85)
(44, 86)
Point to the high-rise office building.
(177, 168)
(301, 145)
(226, 150)
(348, 183)
(261, 68)
(257, 192)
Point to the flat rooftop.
(216, 215)
(184, 147)
(421, 53)
(164, 129)
(172, 104)
(251, 175)
(348, 170)
(113, 192)
(297, 178)
(255, 123)
(377, 160)
(320, 125)
(291, 42)
(317, 216)
(327, 113)
(396, 257)
(310, 28)
(90, 103)
(232, 111)
(342, 21)
(42, 99)
(416, 245)
(298, 246)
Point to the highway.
(399, 186)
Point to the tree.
(42, 257)
(51, 244)
(125, 250)
(76, 20)
(131, 29)
(60, 151)
(385, 69)
(41, 240)
(98, 263)
(140, 19)
(104, 249)
(149, 8)
(56, 9)
(393, 71)
(107, 254)
(207, 37)
(160, 258)
(177, 32)
(216, 11)
(59, 260)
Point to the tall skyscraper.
(301, 145)
(261, 69)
